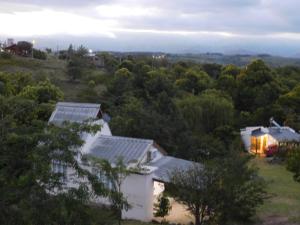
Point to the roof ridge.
(126, 138)
(78, 104)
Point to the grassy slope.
(53, 69)
(284, 204)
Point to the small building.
(141, 189)
(96, 60)
(258, 139)
(22, 48)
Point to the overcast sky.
(264, 26)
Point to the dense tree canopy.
(29, 145)
(193, 111)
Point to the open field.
(284, 205)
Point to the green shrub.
(293, 163)
(5, 55)
(38, 54)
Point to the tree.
(162, 207)
(222, 191)
(43, 92)
(38, 54)
(195, 82)
(28, 148)
(213, 70)
(30, 191)
(293, 164)
(291, 100)
(127, 64)
(70, 50)
(206, 112)
(228, 84)
(116, 175)
(110, 62)
(89, 94)
(158, 82)
(231, 70)
(257, 87)
(121, 83)
(75, 68)
(81, 51)
(241, 189)
(195, 188)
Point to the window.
(60, 168)
(102, 178)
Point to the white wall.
(105, 130)
(246, 136)
(272, 140)
(139, 192)
(137, 188)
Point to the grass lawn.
(55, 70)
(284, 204)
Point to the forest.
(193, 111)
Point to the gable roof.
(74, 112)
(166, 165)
(284, 134)
(281, 134)
(111, 148)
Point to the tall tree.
(222, 191)
(115, 176)
(29, 185)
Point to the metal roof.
(166, 165)
(111, 148)
(74, 112)
(284, 134)
(257, 133)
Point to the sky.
(175, 26)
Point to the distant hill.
(237, 59)
(241, 59)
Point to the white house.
(140, 189)
(257, 139)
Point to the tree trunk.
(197, 216)
(119, 217)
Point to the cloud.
(205, 21)
(49, 22)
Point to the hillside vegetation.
(193, 111)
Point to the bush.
(38, 54)
(293, 163)
(5, 55)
